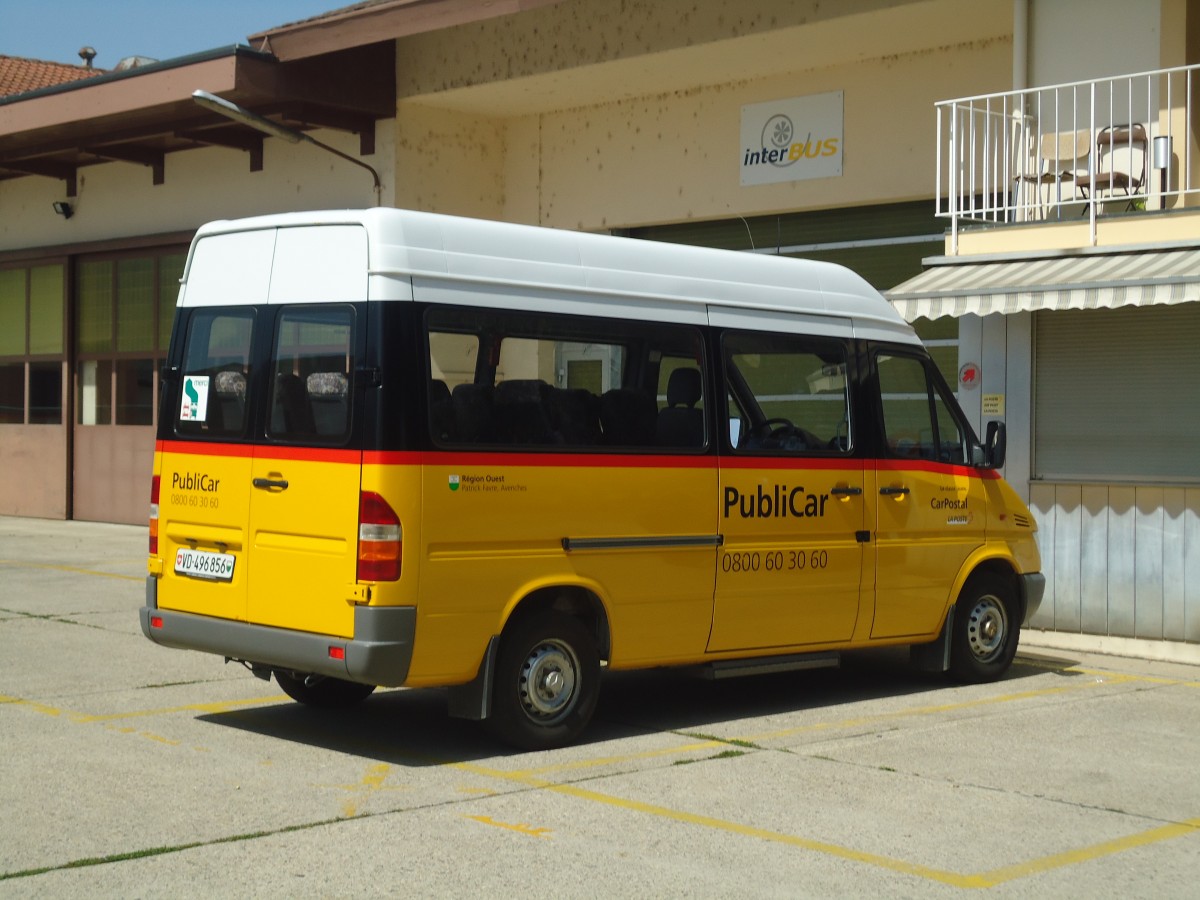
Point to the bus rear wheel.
(547, 682)
(321, 690)
(986, 629)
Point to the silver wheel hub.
(547, 683)
(987, 628)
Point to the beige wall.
(33, 471)
(118, 200)
(502, 120)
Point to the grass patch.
(161, 851)
(724, 754)
(735, 742)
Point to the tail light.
(379, 539)
(154, 515)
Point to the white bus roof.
(418, 248)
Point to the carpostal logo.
(779, 146)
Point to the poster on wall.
(791, 140)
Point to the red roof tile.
(18, 75)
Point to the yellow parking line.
(976, 880)
(663, 812)
(219, 706)
(597, 761)
(18, 564)
(521, 827)
(30, 704)
(1075, 670)
(1085, 854)
(986, 879)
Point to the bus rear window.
(216, 372)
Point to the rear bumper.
(379, 653)
(1034, 585)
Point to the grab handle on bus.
(893, 491)
(271, 483)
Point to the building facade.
(799, 128)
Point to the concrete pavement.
(129, 770)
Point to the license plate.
(205, 564)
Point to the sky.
(55, 30)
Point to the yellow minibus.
(398, 448)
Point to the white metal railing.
(1067, 151)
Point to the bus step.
(765, 665)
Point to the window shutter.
(1117, 393)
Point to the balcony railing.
(1069, 152)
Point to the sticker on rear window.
(194, 407)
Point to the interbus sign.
(791, 140)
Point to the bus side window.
(787, 393)
(521, 379)
(918, 421)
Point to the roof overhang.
(142, 114)
(1076, 281)
(376, 20)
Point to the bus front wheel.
(986, 629)
(321, 690)
(547, 681)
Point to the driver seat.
(680, 423)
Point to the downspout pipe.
(1020, 45)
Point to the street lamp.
(245, 117)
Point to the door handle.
(271, 483)
(894, 491)
(846, 491)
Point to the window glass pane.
(12, 393)
(170, 270)
(791, 394)
(907, 425)
(12, 312)
(95, 392)
(46, 310)
(135, 392)
(216, 372)
(95, 307)
(311, 369)
(452, 357)
(45, 393)
(566, 381)
(952, 438)
(135, 305)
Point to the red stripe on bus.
(261, 451)
(925, 465)
(537, 460)
(562, 460)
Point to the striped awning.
(1086, 281)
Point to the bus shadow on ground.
(680, 701)
(411, 728)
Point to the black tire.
(547, 681)
(322, 691)
(987, 627)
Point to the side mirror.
(996, 445)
